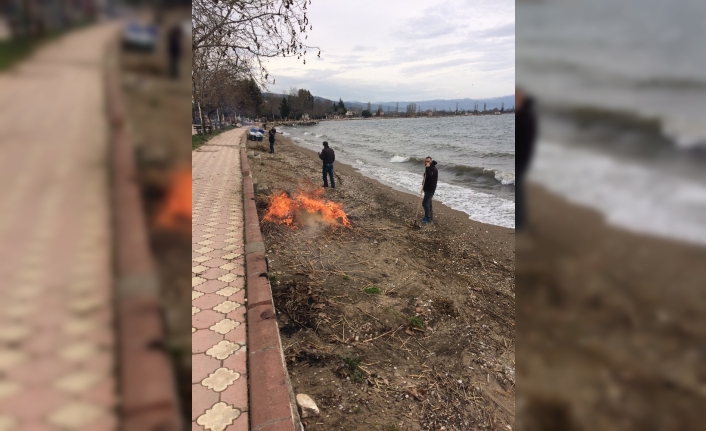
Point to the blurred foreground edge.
(148, 392)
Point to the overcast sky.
(405, 50)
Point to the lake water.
(475, 156)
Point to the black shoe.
(325, 185)
(333, 187)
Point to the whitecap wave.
(318, 136)
(506, 178)
(398, 159)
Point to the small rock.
(307, 406)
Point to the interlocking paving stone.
(56, 337)
(219, 391)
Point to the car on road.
(140, 36)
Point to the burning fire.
(176, 211)
(288, 211)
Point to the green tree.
(251, 98)
(366, 114)
(284, 108)
(340, 108)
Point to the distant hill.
(438, 104)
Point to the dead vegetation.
(384, 326)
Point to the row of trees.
(36, 18)
(299, 103)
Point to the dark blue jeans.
(328, 169)
(272, 146)
(426, 203)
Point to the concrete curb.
(272, 404)
(146, 380)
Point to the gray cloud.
(361, 48)
(405, 49)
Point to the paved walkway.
(219, 380)
(57, 343)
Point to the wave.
(398, 159)
(503, 177)
(318, 136)
(672, 83)
(498, 155)
(681, 135)
(307, 133)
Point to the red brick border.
(271, 399)
(146, 381)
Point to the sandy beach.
(611, 324)
(384, 325)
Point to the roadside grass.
(15, 50)
(198, 140)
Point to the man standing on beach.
(273, 132)
(174, 51)
(328, 157)
(525, 134)
(431, 176)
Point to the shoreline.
(348, 167)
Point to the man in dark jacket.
(525, 135)
(273, 132)
(174, 51)
(328, 157)
(431, 176)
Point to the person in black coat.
(525, 136)
(273, 133)
(431, 176)
(327, 156)
(174, 51)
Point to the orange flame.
(176, 212)
(285, 210)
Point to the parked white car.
(140, 36)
